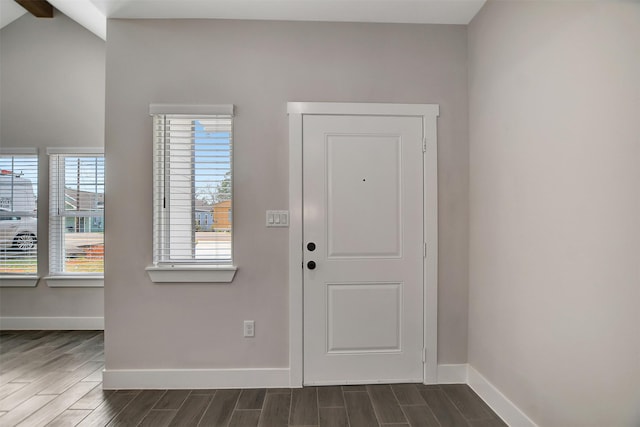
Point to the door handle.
(311, 265)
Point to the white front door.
(363, 249)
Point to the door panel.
(364, 179)
(362, 208)
(354, 331)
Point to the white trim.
(192, 273)
(366, 109)
(18, 281)
(452, 374)
(295, 251)
(75, 281)
(429, 112)
(222, 109)
(21, 150)
(75, 150)
(501, 405)
(52, 323)
(126, 379)
(430, 265)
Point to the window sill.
(75, 281)
(18, 281)
(192, 274)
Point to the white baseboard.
(51, 323)
(115, 379)
(452, 374)
(501, 405)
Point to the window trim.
(195, 272)
(211, 109)
(75, 150)
(8, 151)
(15, 281)
(190, 273)
(74, 281)
(67, 279)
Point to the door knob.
(311, 246)
(311, 265)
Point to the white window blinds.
(18, 214)
(192, 187)
(76, 214)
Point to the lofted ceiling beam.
(38, 8)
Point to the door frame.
(429, 114)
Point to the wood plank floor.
(53, 378)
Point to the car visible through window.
(17, 232)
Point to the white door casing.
(370, 304)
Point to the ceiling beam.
(38, 8)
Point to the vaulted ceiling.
(92, 14)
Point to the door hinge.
(425, 250)
(424, 145)
(424, 355)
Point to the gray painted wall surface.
(259, 66)
(52, 75)
(554, 95)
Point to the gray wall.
(259, 66)
(554, 112)
(52, 75)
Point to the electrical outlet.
(249, 328)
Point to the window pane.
(84, 244)
(18, 214)
(193, 189)
(77, 214)
(212, 198)
(84, 183)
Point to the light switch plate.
(277, 218)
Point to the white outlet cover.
(249, 328)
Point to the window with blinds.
(192, 185)
(76, 214)
(18, 214)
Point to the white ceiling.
(93, 13)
